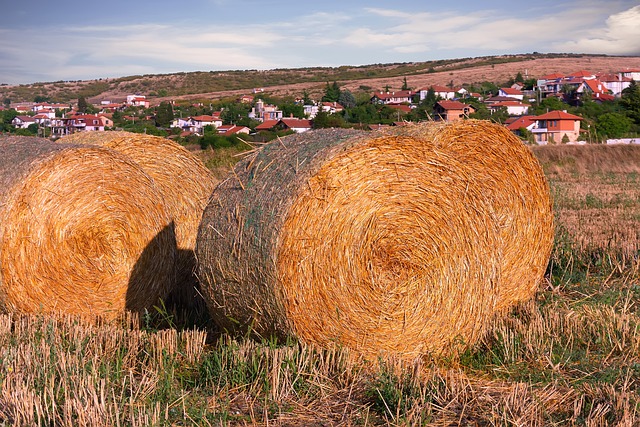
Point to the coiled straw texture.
(83, 230)
(182, 179)
(405, 242)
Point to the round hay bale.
(380, 242)
(83, 230)
(183, 180)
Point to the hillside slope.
(282, 82)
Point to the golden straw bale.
(83, 230)
(394, 241)
(183, 180)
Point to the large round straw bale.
(183, 180)
(402, 242)
(83, 230)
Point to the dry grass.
(569, 357)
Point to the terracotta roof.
(581, 73)
(267, 124)
(558, 115)
(297, 123)
(203, 118)
(520, 122)
(511, 91)
(552, 76)
(452, 105)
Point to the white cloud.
(619, 36)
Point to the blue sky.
(43, 41)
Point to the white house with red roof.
(332, 107)
(632, 73)
(514, 107)
(228, 130)
(510, 92)
(523, 122)
(267, 125)
(23, 122)
(441, 91)
(615, 83)
(296, 125)
(137, 101)
(396, 97)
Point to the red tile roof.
(511, 91)
(267, 124)
(297, 123)
(452, 105)
(520, 122)
(558, 115)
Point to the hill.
(213, 85)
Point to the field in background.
(213, 85)
(570, 357)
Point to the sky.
(46, 41)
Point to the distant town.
(582, 107)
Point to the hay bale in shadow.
(83, 230)
(401, 242)
(182, 179)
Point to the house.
(515, 124)
(439, 91)
(107, 120)
(264, 112)
(267, 125)
(332, 107)
(23, 122)
(631, 73)
(196, 124)
(137, 101)
(85, 122)
(615, 83)
(246, 99)
(553, 126)
(514, 107)
(399, 97)
(450, 111)
(228, 130)
(511, 93)
(310, 111)
(296, 125)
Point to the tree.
(41, 98)
(164, 115)
(7, 102)
(306, 99)
(346, 99)
(292, 109)
(519, 78)
(630, 101)
(405, 86)
(613, 125)
(82, 105)
(331, 92)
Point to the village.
(512, 105)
